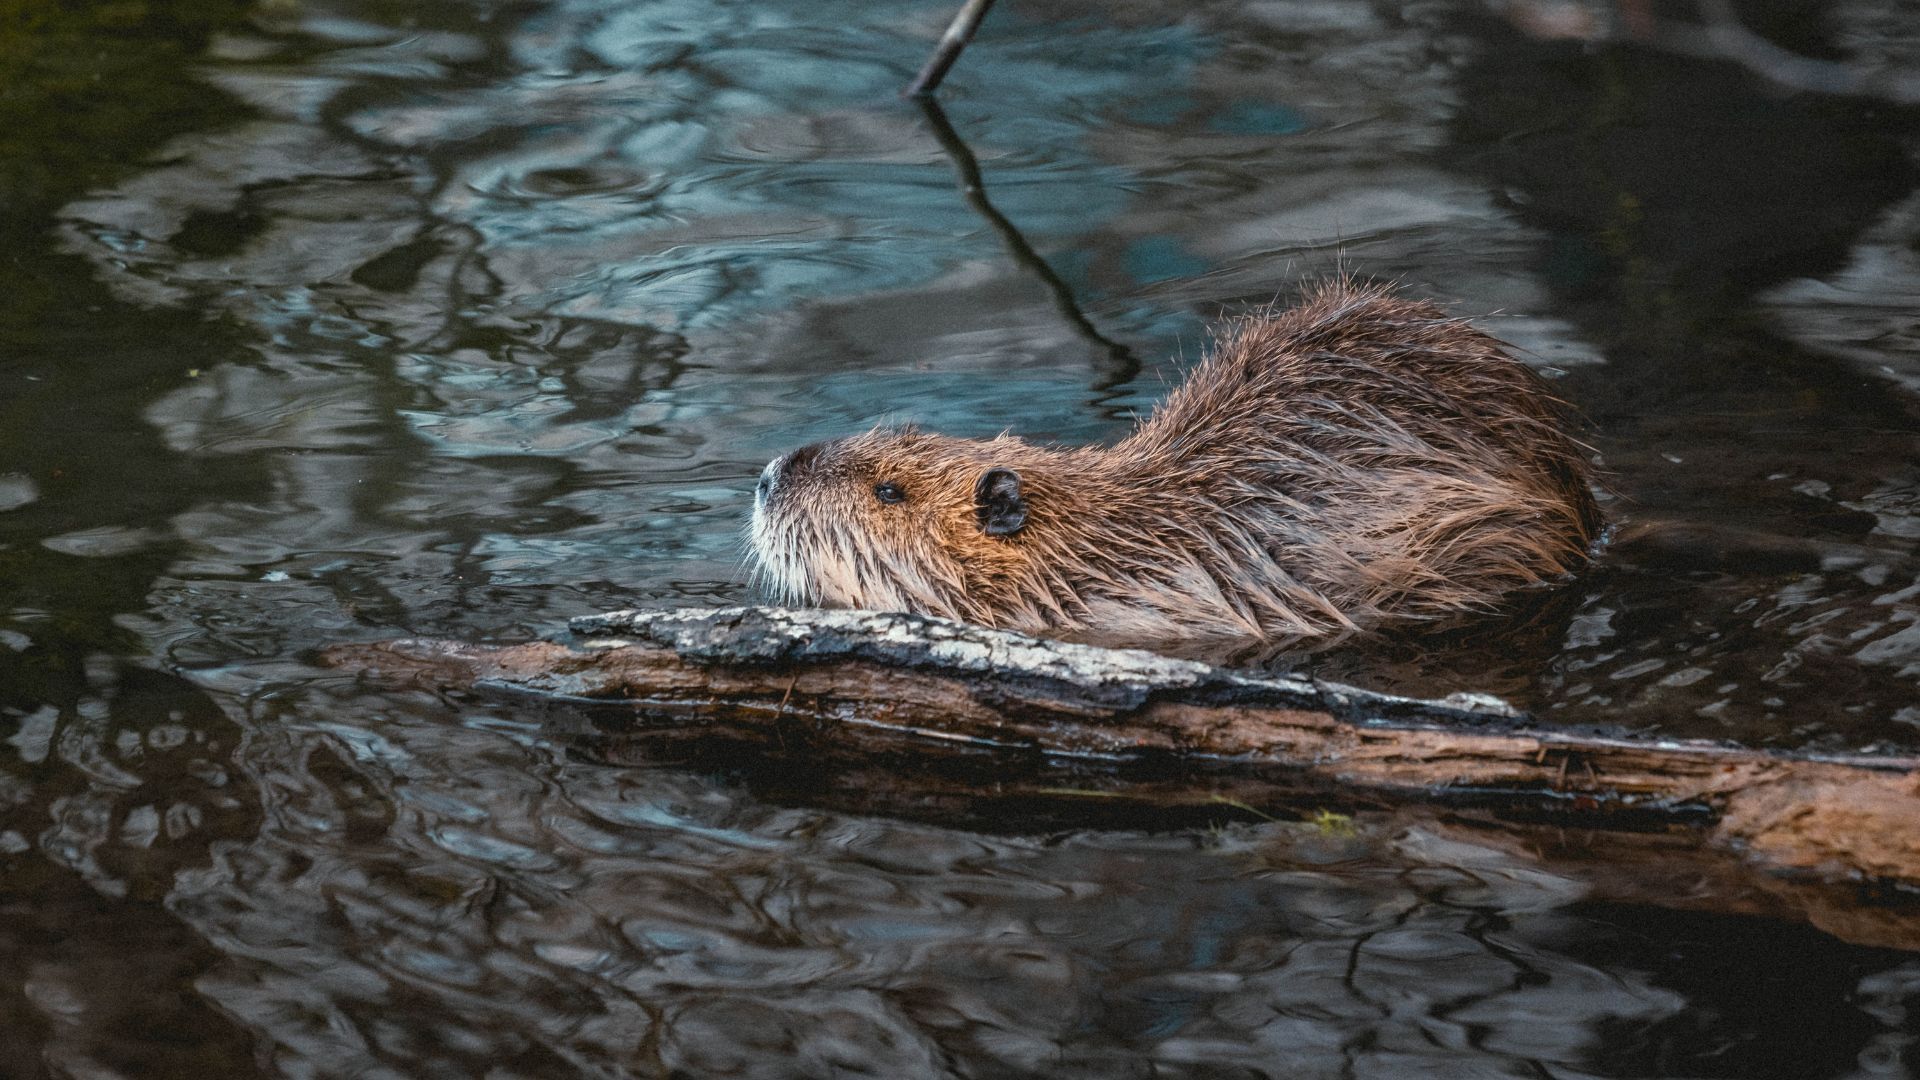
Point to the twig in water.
(959, 32)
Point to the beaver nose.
(782, 467)
(768, 477)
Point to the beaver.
(1354, 462)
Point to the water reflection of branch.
(1719, 36)
(1121, 362)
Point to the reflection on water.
(464, 319)
(527, 905)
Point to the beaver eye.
(889, 493)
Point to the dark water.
(347, 320)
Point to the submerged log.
(862, 681)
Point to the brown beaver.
(1355, 461)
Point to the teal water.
(349, 320)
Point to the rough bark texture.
(863, 682)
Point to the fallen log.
(871, 682)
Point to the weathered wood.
(861, 679)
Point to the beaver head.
(897, 520)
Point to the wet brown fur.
(1354, 461)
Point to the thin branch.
(959, 32)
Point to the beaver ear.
(997, 502)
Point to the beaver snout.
(781, 469)
(768, 477)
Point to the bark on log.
(866, 682)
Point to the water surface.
(352, 320)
